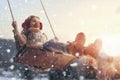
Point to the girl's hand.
(56, 38)
(14, 24)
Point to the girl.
(31, 34)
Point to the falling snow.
(108, 67)
(8, 50)
(12, 67)
(77, 70)
(35, 56)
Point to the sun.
(111, 45)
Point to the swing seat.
(41, 60)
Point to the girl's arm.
(20, 38)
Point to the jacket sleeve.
(20, 39)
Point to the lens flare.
(111, 45)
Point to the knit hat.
(26, 23)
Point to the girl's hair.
(26, 23)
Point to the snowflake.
(74, 64)
(26, 68)
(8, 50)
(12, 67)
(35, 56)
(64, 73)
(13, 78)
(52, 65)
(19, 74)
(77, 54)
(11, 60)
(81, 77)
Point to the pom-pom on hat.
(26, 23)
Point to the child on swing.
(38, 52)
(32, 36)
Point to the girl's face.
(35, 22)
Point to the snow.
(8, 50)
(81, 77)
(26, 68)
(52, 65)
(64, 73)
(7, 78)
(11, 60)
(77, 54)
(14, 78)
(35, 56)
(74, 64)
(11, 71)
(41, 78)
(12, 67)
(9, 75)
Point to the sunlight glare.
(111, 45)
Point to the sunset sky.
(96, 18)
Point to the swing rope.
(10, 10)
(48, 18)
(44, 12)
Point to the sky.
(96, 18)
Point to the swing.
(40, 60)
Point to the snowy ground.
(13, 71)
(8, 75)
(7, 78)
(18, 78)
(14, 78)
